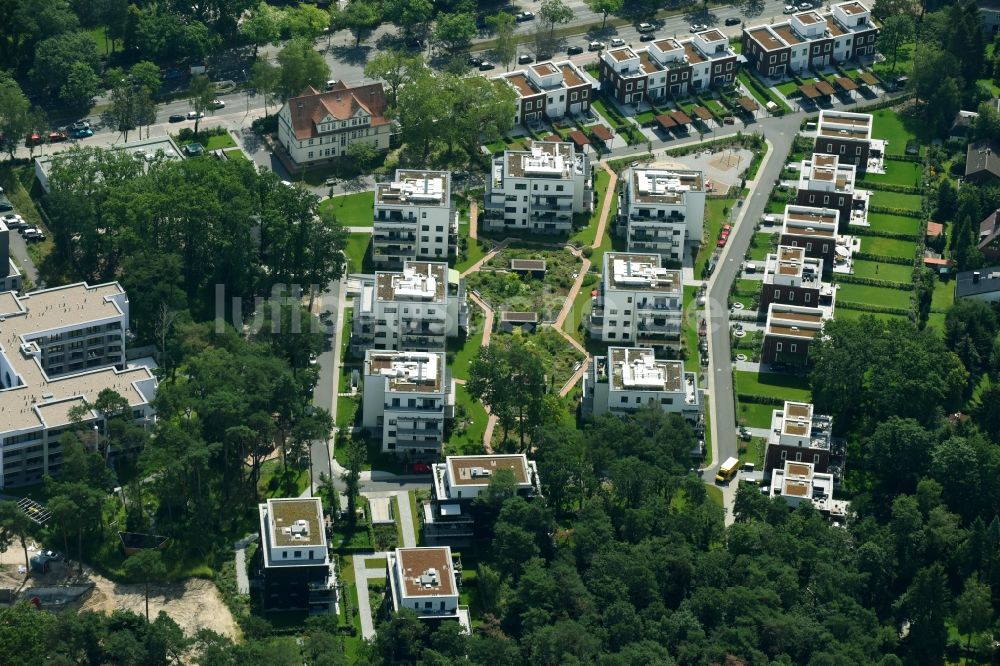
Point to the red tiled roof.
(666, 121)
(601, 132)
(579, 138)
(937, 261)
(341, 102)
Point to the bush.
(872, 282)
(868, 256)
(890, 187)
(889, 210)
(588, 252)
(265, 125)
(867, 307)
(887, 234)
(761, 399)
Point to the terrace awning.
(868, 78)
(681, 118)
(666, 122)
(809, 91)
(824, 88)
(846, 84)
(747, 104)
(702, 113)
(579, 138)
(601, 132)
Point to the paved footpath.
(474, 219)
(406, 519)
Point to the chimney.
(975, 277)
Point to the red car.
(420, 468)
(726, 228)
(56, 136)
(722, 242)
(35, 139)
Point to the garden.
(897, 224)
(352, 210)
(869, 295)
(503, 289)
(874, 270)
(897, 200)
(888, 247)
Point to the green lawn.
(880, 271)
(237, 154)
(776, 207)
(102, 44)
(862, 293)
(588, 234)
(717, 213)
(896, 200)
(352, 210)
(888, 247)
(895, 223)
(611, 115)
(220, 141)
(754, 415)
(692, 315)
(788, 387)
(897, 173)
(904, 63)
(936, 320)
(787, 88)
(462, 351)
(714, 494)
(581, 308)
(357, 248)
(761, 247)
(744, 78)
(753, 451)
(845, 314)
(890, 126)
(944, 295)
(469, 424)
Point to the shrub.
(868, 256)
(872, 282)
(265, 125)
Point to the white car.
(698, 27)
(789, 9)
(192, 115)
(646, 27)
(617, 41)
(218, 104)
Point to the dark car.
(647, 37)
(732, 20)
(525, 59)
(486, 66)
(420, 468)
(176, 118)
(574, 50)
(474, 61)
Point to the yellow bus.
(727, 470)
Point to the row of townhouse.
(811, 40)
(59, 348)
(550, 90)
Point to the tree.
(352, 476)
(410, 15)
(145, 74)
(896, 31)
(305, 21)
(394, 68)
(68, 61)
(510, 378)
(266, 79)
(924, 605)
(300, 66)
(455, 31)
(605, 7)
(263, 26)
(362, 156)
(934, 82)
(505, 44)
(14, 524)
(15, 115)
(123, 112)
(360, 17)
(201, 94)
(145, 567)
(969, 330)
(554, 12)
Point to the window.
(842, 149)
(816, 49)
(666, 401)
(729, 66)
(794, 348)
(808, 297)
(777, 294)
(428, 604)
(772, 59)
(798, 456)
(298, 553)
(638, 400)
(815, 459)
(825, 248)
(778, 346)
(858, 151)
(628, 87)
(826, 199)
(784, 454)
(572, 97)
(791, 295)
(812, 198)
(521, 186)
(310, 154)
(673, 77)
(284, 554)
(624, 399)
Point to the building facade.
(59, 348)
(846, 135)
(826, 182)
(415, 219)
(638, 304)
(293, 561)
(662, 210)
(319, 127)
(668, 68)
(425, 580)
(416, 309)
(792, 278)
(798, 482)
(811, 40)
(789, 331)
(629, 378)
(550, 90)
(10, 274)
(538, 190)
(407, 398)
(814, 230)
(798, 434)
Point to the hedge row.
(889, 210)
(760, 399)
(872, 282)
(881, 233)
(890, 187)
(904, 158)
(738, 139)
(884, 104)
(885, 259)
(868, 307)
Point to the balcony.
(380, 237)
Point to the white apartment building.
(407, 398)
(426, 581)
(464, 478)
(414, 219)
(797, 482)
(10, 274)
(59, 348)
(550, 90)
(799, 434)
(294, 558)
(319, 127)
(630, 377)
(416, 309)
(538, 190)
(662, 210)
(639, 302)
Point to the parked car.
(81, 133)
(217, 104)
(804, 6)
(732, 20)
(722, 242)
(789, 9)
(420, 468)
(79, 125)
(698, 27)
(647, 36)
(574, 50)
(13, 221)
(524, 59)
(34, 139)
(646, 27)
(55, 136)
(726, 228)
(524, 16)
(729, 120)
(192, 115)
(176, 118)
(486, 66)
(617, 41)
(474, 61)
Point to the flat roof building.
(849, 136)
(629, 378)
(798, 434)
(426, 581)
(59, 348)
(147, 150)
(550, 90)
(639, 302)
(789, 331)
(293, 560)
(792, 278)
(982, 284)
(414, 219)
(10, 274)
(797, 482)
(662, 210)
